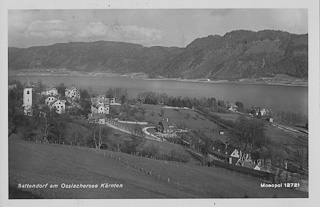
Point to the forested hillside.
(237, 54)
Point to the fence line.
(146, 171)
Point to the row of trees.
(162, 98)
(118, 93)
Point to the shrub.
(150, 151)
(174, 155)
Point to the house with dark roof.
(72, 92)
(59, 106)
(224, 152)
(96, 118)
(49, 100)
(55, 103)
(233, 107)
(166, 127)
(100, 105)
(51, 91)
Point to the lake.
(274, 97)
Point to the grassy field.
(191, 119)
(33, 163)
(275, 134)
(166, 147)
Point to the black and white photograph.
(175, 102)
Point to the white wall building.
(72, 92)
(27, 100)
(59, 106)
(49, 100)
(52, 92)
(100, 105)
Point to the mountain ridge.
(237, 54)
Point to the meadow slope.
(33, 163)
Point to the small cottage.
(223, 152)
(49, 100)
(59, 106)
(100, 105)
(52, 91)
(72, 92)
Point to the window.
(28, 92)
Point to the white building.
(27, 100)
(263, 112)
(59, 106)
(55, 104)
(233, 108)
(100, 105)
(52, 91)
(112, 101)
(49, 100)
(72, 92)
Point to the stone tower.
(27, 99)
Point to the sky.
(148, 27)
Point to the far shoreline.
(246, 82)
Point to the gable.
(235, 153)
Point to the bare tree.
(249, 134)
(100, 135)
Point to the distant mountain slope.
(237, 54)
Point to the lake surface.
(276, 98)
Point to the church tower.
(27, 99)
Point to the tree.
(160, 127)
(137, 129)
(61, 89)
(14, 106)
(46, 124)
(76, 136)
(84, 94)
(99, 135)
(174, 155)
(123, 99)
(142, 110)
(151, 150)
(110, 93)
(92, 93)
(60, 128)
(39, 86)
(249, 134)
(240, 106)
(85, 107)
(133, 145)
(221, 104)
